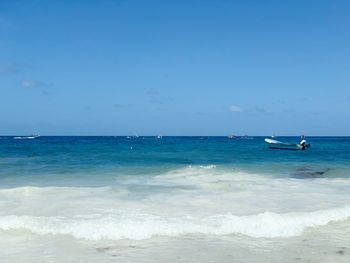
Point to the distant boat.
(246, 137)
(159, 137)
(274, 144)
(231, 136)
(30, 137)
(132, 136)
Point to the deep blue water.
(87, 157)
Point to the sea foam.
(119, 225)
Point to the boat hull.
(273, 144)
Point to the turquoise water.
(115, 188)
(93, 160)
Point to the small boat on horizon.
(247, 137)
(26, 137)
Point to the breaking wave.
(119, 225)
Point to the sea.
(173, 199)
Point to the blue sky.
(175, 67)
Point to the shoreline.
(324, 245)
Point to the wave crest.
(115, 226)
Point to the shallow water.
(92, 198)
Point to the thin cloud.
(235, 108)
(13, 68)
(250, 111)
(259, 110)
(28, 84)
(156, 101)
(154, 96)
(45, 93)
(254, 111)
(120, 106)
(152, 92)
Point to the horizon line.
(155, 135)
